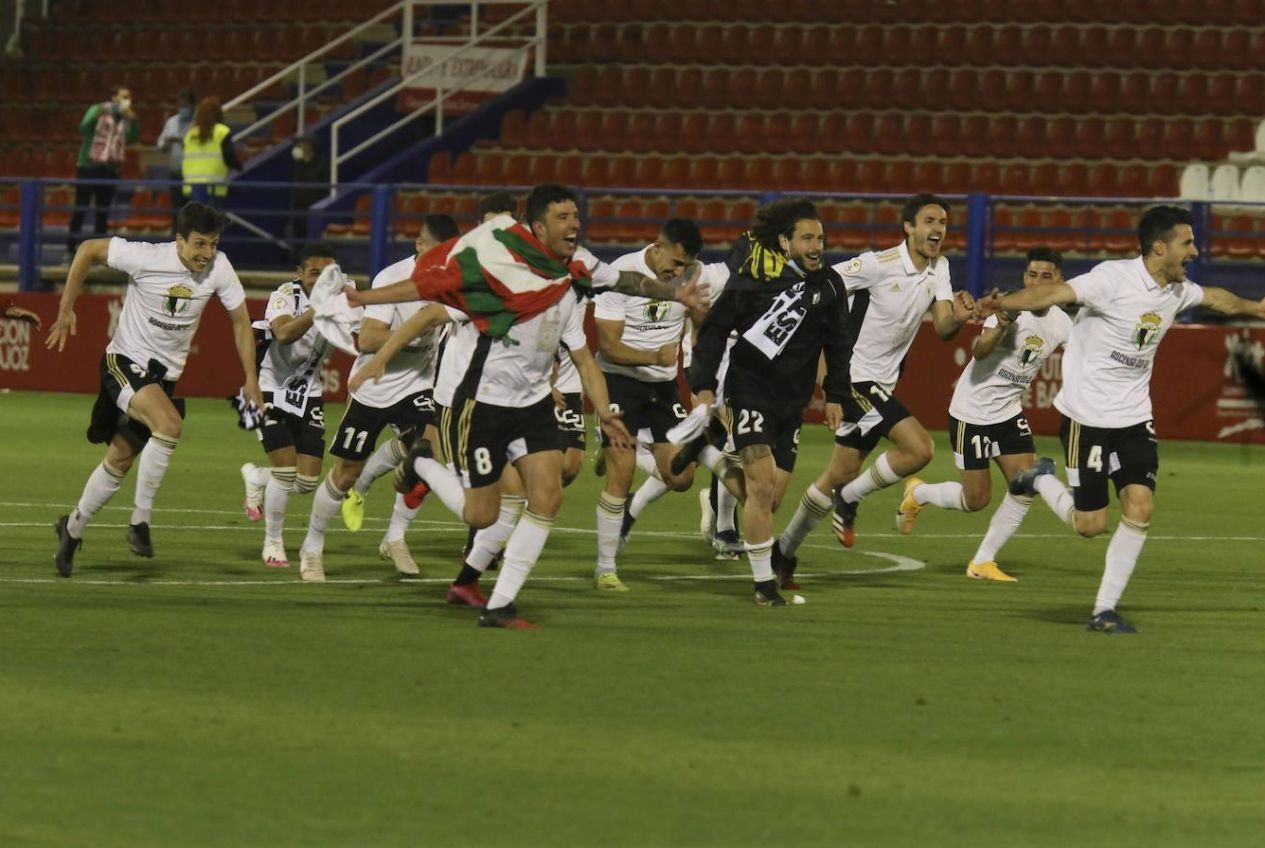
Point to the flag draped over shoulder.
(498, 273)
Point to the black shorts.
(478, 439)
(975, 444)
(754, 425)
(570, 420)
(287, 430)
(869, 413)
(1127, 456)
(120, 379)
(358, 431)
(653, 407)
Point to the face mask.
(297, 153)
(184, 113)
(125, 103)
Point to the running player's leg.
(1005, 520)
(621, 465)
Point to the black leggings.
(101, 195)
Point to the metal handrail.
(300, 65)
(539, 7)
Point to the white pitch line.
(898, 563)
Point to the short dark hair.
(441, 226)
(779, 218)
(186, 95)
(314, 250)
(1157, 224)
(543, 196)
(199, 217)
(499, 202)
(1045, 254)
(909, 212)
(683, 232)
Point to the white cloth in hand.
(335, 318)
(693, 424)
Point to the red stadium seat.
(991, 92)
(963, 89)
(1075, 96)
(1120, 50)
(973, 138)
(1094, 50)
(839, 175)
(1104, 93)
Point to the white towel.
(335, 318)
(693, 424)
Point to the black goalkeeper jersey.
(784, 319)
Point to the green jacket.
(88, 126)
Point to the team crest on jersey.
(178, 299)
(852, 268)
(1031, 352)
(657, 310)
(1148, 329)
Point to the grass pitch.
(201, 699)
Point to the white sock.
(726, 507)
(1122, 556)
(878, 476)
(155, 457)
(325, 504)
(489, 541)
(760, 556)
(259, 476)
(943, 495)
(610, 518)
(401, 515)
(645, 461)
(102, 483)
(1058, 496)
(713, 458)
(521, 553)
(649, 492)
(381, 461)
(1002, 526)
(277, 492)
(444, 483)
(813, 507)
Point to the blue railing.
(988, 233)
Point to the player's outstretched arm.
(422, 321)
(91, 252)
(949, 315)
(594, 383)
(691, 292)
(1228, 303)
(402, 292)
(987, 341)
(1035, 298)
(244, 341)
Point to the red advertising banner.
(213, 369)
(1195, 391)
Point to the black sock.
(470, 540)
(466, 576)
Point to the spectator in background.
(106, 129)
(208, 152)
(171, 142)
(311, 178)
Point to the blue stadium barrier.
(985, 247)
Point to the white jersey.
(164, 301)
(1111, 350)
(515, 371)
(891, 296)
(412, 369)
(991, 389)
(296, 367)
(567, 377)
(649, 324)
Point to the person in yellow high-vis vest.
(208, 151)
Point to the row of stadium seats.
(42, 160)
(887, 133)
(243, 11)
(963, 89)
(1093, 231)
(1203, 12)
(797, 173)
(1009, 45)
(149, 84)
(280, 42)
